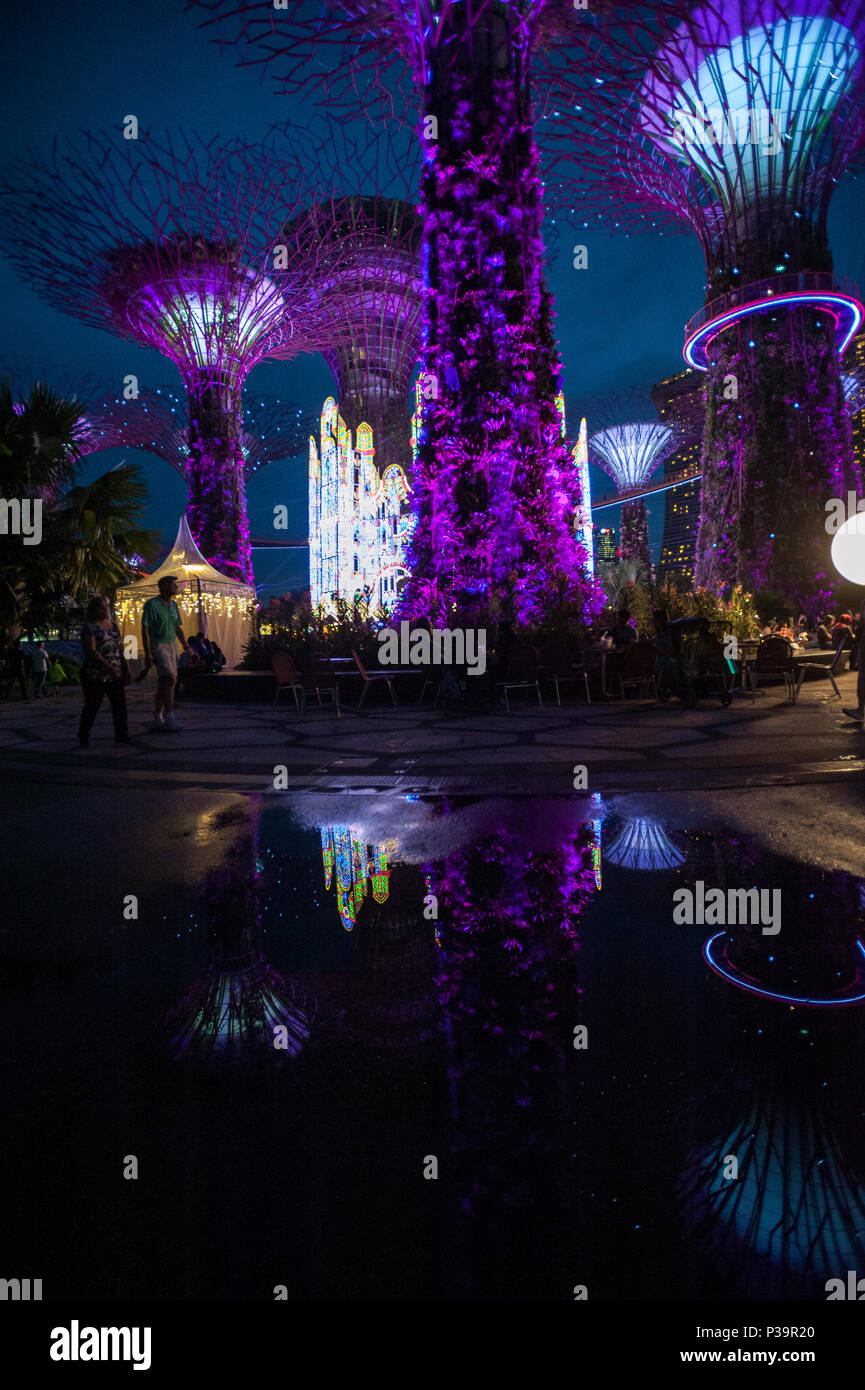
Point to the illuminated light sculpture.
(360, 521)
(644, 844)
(585, 525)
(369, 304)
(355, 869)
(157, 422)
(241, 1008)
(494, 487)
(177, 246)
(630, 454)
(736, 121)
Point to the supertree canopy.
(736, 121)
(181, 246)
(494, 483)
(630, 454)
(158, 422)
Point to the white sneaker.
(171, 725)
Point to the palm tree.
(90, 533)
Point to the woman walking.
(103, 673)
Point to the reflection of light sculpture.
(177, 245)
(737, 121)
(644, 844)
(851, 991)
(355, 869)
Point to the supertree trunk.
(216, 493)
(496, 488)
(769, 469)
(635, 535)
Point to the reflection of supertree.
(157, 421)
(494, 484)
(737, 121)
(644, 844)
(179, 246)
(233, 1011)
(630, 454)
(509, 988)
(789, 1109)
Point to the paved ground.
(638, 746)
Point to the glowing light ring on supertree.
(177, 245)
(737, 121)
(494, 485)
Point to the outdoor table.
(596, 658)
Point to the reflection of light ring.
(857, 984)
(847, 312)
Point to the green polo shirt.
(162, 620)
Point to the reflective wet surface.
(402, 1047)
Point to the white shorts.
(165, 659)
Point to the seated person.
(843, 632)
(623, 633)
(217, 656)
(824, 631)
(665, 652)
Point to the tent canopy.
(210, 602)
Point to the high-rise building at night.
(679, 402)
(605, 545)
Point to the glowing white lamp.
(848, 549)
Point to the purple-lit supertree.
(494, 483)
(736, 120)
(371, 303)
(158, 422)
(630, 453)
(184, 246)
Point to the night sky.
(85, 66)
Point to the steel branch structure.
(494, 483)
(158, 422)
(736, 120)
(180, 245)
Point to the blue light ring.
(801, 1000)
(844, 306)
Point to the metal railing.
(801, 282)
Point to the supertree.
(630, 454)
(736, 121)
(157, 421)
(185, 246)
(494, 483)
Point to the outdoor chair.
(522, 674)
(386, 674)
(773, 659)
(831, 670)
(431, 676)
(639, 668)
(556, 664)
(320, 677)
(286, 677)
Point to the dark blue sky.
(88, 64)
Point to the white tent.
(210, 602)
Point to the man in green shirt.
(161, 630)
